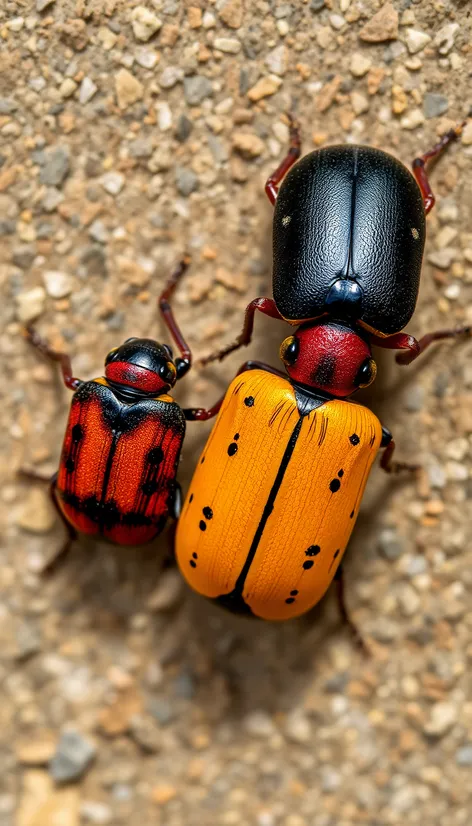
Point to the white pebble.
(87, 90)
(416, 40)
(30, 304)
(58, 284)
(113, 182)
(164, 116)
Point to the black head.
(143, 364)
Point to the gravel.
(130, 133)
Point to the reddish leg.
(414, 348)
(429, 338)
(356, 635)
(64, 360)
(183, 364)
(52, 566)
(386, 462)
(202, 414)
(419, 165)
(263, 305)
(271, 187)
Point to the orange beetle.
(277, 490)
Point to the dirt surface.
(127, 136)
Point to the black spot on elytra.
(193, 564)
(336, 553)
(354, 439)
(308, 564)
(69, 465)
(195, 556)
(236, 437)
(313, 550)
(289, 600)
(202, 460)
(334, 485)
(202, 525)
(232, 449)
(191, 498)
(77, 433)
(150, 487)
(340, 473)
(293, 593)
(155, 456)
(249, 401)
(207, 513)
(351, 515)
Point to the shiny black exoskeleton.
(348, 240)
(349, 233)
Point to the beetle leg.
(356, 635)
(429, 338)
(293, 154)
(57, 560)
(419, 165)
(202, 414)
(183, 364)
(64, 360)
(386, 462)
(263, 305)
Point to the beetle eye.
(289, 350)
(168, 372)
(366, 373)
(111, 355)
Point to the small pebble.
(30, 305)
(434, 105)
(265, 87)
(464, 755)
(277, 61)
(441, 719)
(73, 756)
(87, 90)
(196, 89)
(128, 89)
(170, 76)
(58, 284)
(186, 180)
(390, 544)
(113, 182)
(228, 45)
(444, 39)
(416, 40)
(360, 64)
(144, 23)
(56, 166)
(382, 26)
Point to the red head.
(143, 365)
(330, 357)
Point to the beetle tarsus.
(419, 164)
(428, 339)
(293, 153)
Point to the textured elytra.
(349, 212)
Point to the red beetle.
(117, 473)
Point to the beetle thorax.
(330, 357)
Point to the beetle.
(348, 241)
(277, 490)
(117, 472)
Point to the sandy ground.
(127, 136)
